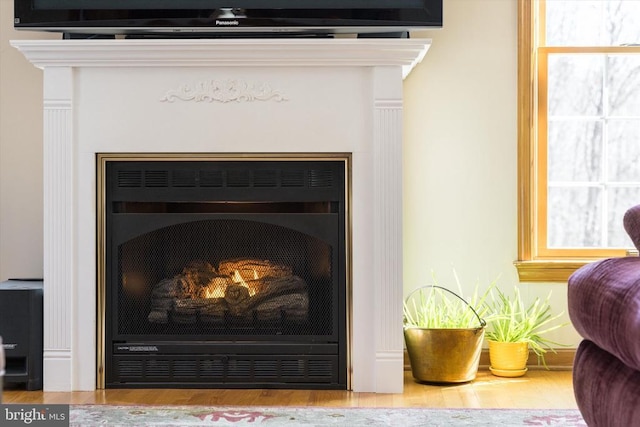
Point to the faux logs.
(241, 290)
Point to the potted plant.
(516, 328)
(444, 334)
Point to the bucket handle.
(483, 323)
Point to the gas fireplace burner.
(225, 274)
(239, 292)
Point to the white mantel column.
(59, 231)
(387, 149)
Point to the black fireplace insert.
(225, 274)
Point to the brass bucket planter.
(442, 355)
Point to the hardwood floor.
(537, 389)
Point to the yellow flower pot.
(508, 359)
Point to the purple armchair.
(604, 307)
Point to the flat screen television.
(230, 17)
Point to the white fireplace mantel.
(223, 96)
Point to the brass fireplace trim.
(101, 162)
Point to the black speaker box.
(21, 331)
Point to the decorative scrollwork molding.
(224, 91)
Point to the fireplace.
(241, 98)
(227, 273)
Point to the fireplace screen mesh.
(229, 273)
(224, 277)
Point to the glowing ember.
(216, 288)
(215, 292)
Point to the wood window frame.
(537, 264)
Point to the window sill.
(555, 270)
(548, 270)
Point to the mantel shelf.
(225, 52)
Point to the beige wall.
(20, 155)
(460, 154)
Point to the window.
(579, 132)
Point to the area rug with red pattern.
(178, 416)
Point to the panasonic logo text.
(227, 23)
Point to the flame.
(237, 279)
(216, 288)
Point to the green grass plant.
(435, 307)
(512, 321)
